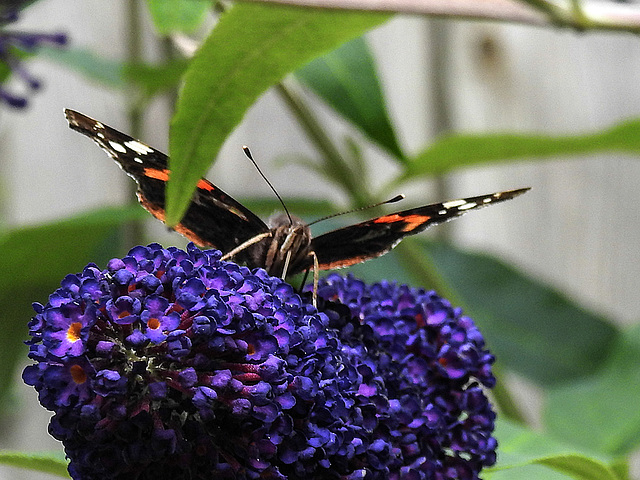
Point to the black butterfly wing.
(373, 238)
(213, 218)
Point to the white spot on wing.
(118, 147)
(138, 147)
(138, 160)
(453, 204)
(467, 206)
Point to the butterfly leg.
(316, 278)
(246, 244)
(287, 259)
(316, 274)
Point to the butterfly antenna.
(395, 199)
(247, 152)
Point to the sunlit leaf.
(252, 47)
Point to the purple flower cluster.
(433, 364)
(174, 364)
(13, 46)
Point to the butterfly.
(284, 245)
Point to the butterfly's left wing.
(213, 219)
(373, 238)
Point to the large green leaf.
(531, 327)
(52, 463)
(346, 79)
(455, 151)
(35, 259)
(252, 47)
(602, 412)
(519, 447)
(170, 16)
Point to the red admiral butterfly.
(285, 246)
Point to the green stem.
(573, 15)
(336, 167)
(134, 232)
(579, 17)
(440, 115)
(556, 14)
(422, 269)
(134, 55)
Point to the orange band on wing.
(410, 222)
(206, 185)
(158, 212)
(163, 174)
(156, 173)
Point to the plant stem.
(594, 15)
(133, 233)
(337, 168)
(440, 115)
(555, 14)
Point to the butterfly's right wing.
(366, 240)
(213, 218)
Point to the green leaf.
(531, 327)
(252, 47)
(154, 79)
(519, 447)
(53, 463)
(170, 16)
(346, 79)
(105, 72)
(455, 151)
(5, 71)
(607, 403)
(35, 260)
(44, 253)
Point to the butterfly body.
(285, 246)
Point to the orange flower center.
(73, 333)
(77, 374)
(153, 323)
